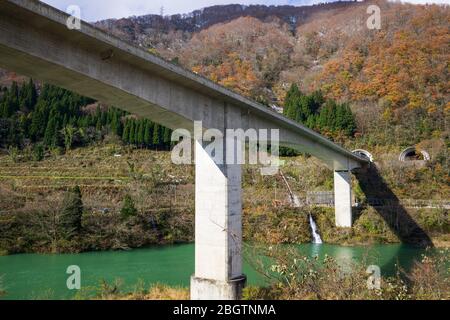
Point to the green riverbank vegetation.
(296, 277)
(292, 276)
(132, 197)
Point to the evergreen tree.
(156, 141)
(72, 211)
(126, 132)
(38, 121)
(51, 132)
(167, 135)
(132, 139)
(128, 208)
(69, 133)
(28, 96)
(290, 100)
(98, 124)
(349, 122)
(116, 124)
(141, 133)
(148, 133)
(136, 132)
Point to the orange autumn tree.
(246, 54)
(403, 65)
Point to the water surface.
(30, 276)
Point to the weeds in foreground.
(296, 277)
(116, 291)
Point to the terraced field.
(104, 174)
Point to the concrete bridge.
(35, 41)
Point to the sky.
(104, 9)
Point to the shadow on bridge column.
(400, 222)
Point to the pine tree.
(141, 133)
(317, 100)
(72, 211)
(290, 100)
(126, 132)
(156, 141)
(339, 124)
(116, 124)
(28, 96)
(98, 124)
(167, 137)
(136, 132)
(11, 101)
(311, 121)
(148, 134)
(323, 118)
(128, 208)
(349, 122)
(132, 139)
(39, 120)
(51, 132)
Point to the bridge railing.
(326, 199)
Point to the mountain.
(396, 79)
(133, 27)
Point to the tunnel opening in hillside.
(413, 154)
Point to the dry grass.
(155, 292)
(297, 277)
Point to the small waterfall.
(315, 234)
(298, 204)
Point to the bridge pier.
(218, 229)
(343, 198)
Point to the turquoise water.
(31, 276)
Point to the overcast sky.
(104, 9)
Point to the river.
(33, 276)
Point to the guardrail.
(326, 198)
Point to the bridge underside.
(35, 42)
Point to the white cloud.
(104, 9)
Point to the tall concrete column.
(343, 198)
(218, 229)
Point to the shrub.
(294, 276)
(14, 154)
(429, 278)
(128, 208)
(38, 152)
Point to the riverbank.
(129, 273)
(161, 202)
(314, 279)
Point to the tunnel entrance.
(413, 154)
(364, 154)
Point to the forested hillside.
(395, 79)
(47, 117)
